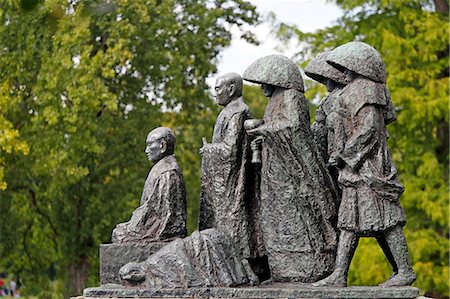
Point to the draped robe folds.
(297, 193)
(224, 188)
(329, 138)
(207, 258)
(370, 187)
(162, 212)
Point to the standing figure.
(328, 127)
(319, 70)
(370, 204)
(162, 212)
(297, 193)
(225, 164)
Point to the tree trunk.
(441, 6)
(77, 276)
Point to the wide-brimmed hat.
(361, 58)
(319, 70)
(275, 70)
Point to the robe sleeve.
(363, 139)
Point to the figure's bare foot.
(336, 279)
(400, 280)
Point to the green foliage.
(82, 83)
(255, 99)
(411, 38)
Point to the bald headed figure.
(228, 88)
(160, 143)
(162, 213)
(225, 167)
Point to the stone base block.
(281, 290)
(114, 256)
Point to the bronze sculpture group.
(281, 201)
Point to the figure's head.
(160, 143)
(132, 273)
(228, 88)
(323, 72)
(268, 89)
(277, 70)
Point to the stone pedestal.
(279, 290)
(114, 256)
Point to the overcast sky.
(308, 15)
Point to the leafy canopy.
(81, 85)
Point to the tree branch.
(45, 216)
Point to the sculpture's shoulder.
(327, 104)
(237, 107)
(166, 164)
(363, 91)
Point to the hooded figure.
(297, 193)
(319, 70)
(367, 176)
(331, 138)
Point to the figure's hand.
(254, 132)
(132, 273)
(255, 145)
(204, 141)
(251, 126)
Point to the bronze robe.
(327, 138)
(162, 213)
(207, 258)
(297, 193)
(370, 187)
(224, 166)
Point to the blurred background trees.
(83, 82)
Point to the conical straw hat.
(361, 58)
(275, 70)
(319, 70)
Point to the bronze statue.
(297, 193)
(225, 166)
(162, 211)
(331, 138)
(207, 258)
(370, 204)
(279, 199)
(319, 70)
